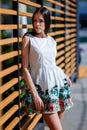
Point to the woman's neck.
(40, 35)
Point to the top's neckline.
(40, 37)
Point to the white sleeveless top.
(43, 69)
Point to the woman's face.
(39, 23)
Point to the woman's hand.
(69, 81)
(38, 103)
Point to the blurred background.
(9, 91)
(82, 5)
(82, 27)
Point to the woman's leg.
(61, 115)
(53, 121)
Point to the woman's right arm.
(25, 58)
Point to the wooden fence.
(15, 19)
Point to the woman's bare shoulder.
(25, 38)
(26, 34)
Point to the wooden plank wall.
(63, 29)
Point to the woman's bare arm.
(25, 59)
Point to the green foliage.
(22, 83)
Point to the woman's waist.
(42, 66)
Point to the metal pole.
(77, 42)
(0, 63)
(63, 15)
(17, 59)
(75, 74)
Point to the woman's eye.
(41, 21)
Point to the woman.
(49, 86)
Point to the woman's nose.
(38, 23)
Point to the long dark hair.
(46, 15)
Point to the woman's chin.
(38, 32)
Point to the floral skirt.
(54, 100)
